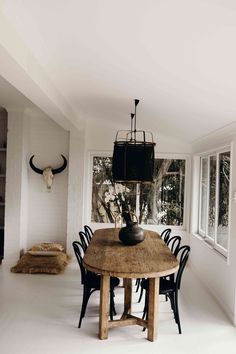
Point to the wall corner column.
(75, 212)
(16, 186)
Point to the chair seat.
(166, 285)
(94, 280)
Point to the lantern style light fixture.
(133, 155)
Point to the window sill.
(152, 227)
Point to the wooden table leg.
(127, 296)
(104, 307)
(153, 308)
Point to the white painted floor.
(39, 314)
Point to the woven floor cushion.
(41, 264)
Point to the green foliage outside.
(161, 202)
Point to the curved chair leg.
(86, 295)
(141, 295)
(145, 306)
(173, 307)
(138, 281)
(145, 310)
(114, 309)
(112, 304)
(172, 304)
(177, 311)
(111, 310)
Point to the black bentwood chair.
(84, 240)
(88, 231)
(170, 287)
(174, 243)
(165, 235)
(91, 283)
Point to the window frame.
(204, 234)
(187, 185)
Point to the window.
(214, 199)
(108, 197)
(158, 203)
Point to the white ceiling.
(177, 57)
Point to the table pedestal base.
(127, 319)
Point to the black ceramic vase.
(131, 234)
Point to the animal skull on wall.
(48, 172)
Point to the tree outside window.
(158, 203)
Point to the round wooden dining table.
(152, 259)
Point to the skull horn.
(60, 169)
(34, 168)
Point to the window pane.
(108, 197)
(212, 198)
(204, 178)
(163, 201)
(223, 206)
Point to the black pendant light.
(133, 156)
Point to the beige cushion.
(41, 264)
(48, 246)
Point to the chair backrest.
(84, 240)
(182, 255)
(165, 235)
(79, 253)
(88, 231)
(174, 243)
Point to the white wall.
(47, 210)
(32, 213)
(217, 273)
(101, 136)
